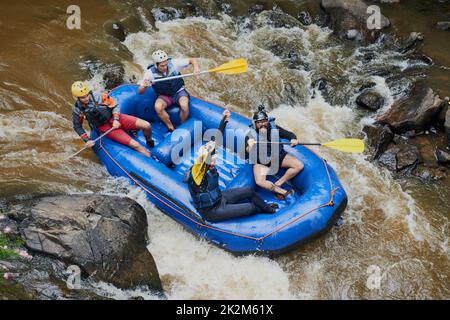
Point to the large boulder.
(113, 74)
(370, 99)
(413, 112)
(400, 156)
(348, 19)
(378, 138)
(105, 236)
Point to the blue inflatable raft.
(319, 196)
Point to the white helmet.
(159, 56)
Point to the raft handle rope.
(168, 201)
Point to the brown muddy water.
(396, 228)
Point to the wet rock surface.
(104, 236)
(417, 111)
(370, 100)
(442, 156)
(348, 19)
(164, 14)
(424, 156)
(116, 30)
(113, 74)
(40, 278)
(378, 138)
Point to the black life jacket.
(210, 194)
(96, 114)
(264, 151)
(169, 87)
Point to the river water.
(397, 228)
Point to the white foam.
(194, 269)
(217, 274)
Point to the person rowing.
(213, 203)
(102, 112)
(270, 154)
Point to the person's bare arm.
(144, 86)
(195, 64)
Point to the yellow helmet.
(79, 89)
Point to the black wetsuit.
(237, 202)
(231, 203)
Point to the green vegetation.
(8, 246)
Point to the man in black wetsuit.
(216, 205)
(270, 154)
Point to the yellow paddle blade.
(232, 67)
(199, 167)
(198, 172)
(346, 145)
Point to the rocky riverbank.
(47, 239)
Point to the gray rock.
(305, 18)
(407, 156)
(429, 173)
(104, 236)
(277, 18)
(322, 19)
(351, 15)
(411, 43)
(389, 160)
(370, 99)
(116, 30)
(113, 75)
(400, 157)
(258, 8)
(378, 138)
(42, 278)
(353, 34)
(414, 112)
(366, 86)
(167, 13)
(442, 156)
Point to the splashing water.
(384, 226)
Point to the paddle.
(198, 169)
(344, 145)
(76, 153)
(233, 67)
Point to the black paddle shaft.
(288, 143)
